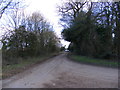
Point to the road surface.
(60, 72)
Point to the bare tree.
(7, 5)
(70, 10)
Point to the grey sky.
(49, 11)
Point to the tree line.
(28, 36)
(93, 28)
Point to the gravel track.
(60, 72)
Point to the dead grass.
(12, 69)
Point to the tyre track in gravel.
(34, 76)
(60, 72)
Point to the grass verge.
(10, 70)
(93, 61)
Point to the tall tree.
(23, 41)
(117, 28)
(91, 31)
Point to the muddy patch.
(69, 80)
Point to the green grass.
(93, 61)
(12, 69)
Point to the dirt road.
(60, 72)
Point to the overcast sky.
(49, 10)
